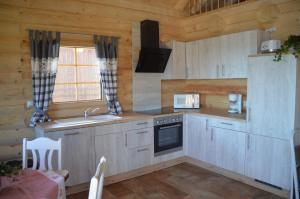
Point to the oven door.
(167, 136)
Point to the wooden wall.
(110, 17)
(282, 14)
(213, 93)
(107, 17)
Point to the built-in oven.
(168, 134)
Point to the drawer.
(111, 128)
(140, 137)
(139, 124)
(229, 124)
(140, 157)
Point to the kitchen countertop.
(132, 116)
(126, 117)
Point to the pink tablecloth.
(33, 185)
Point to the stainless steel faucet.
(87, 111)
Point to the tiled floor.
(183, 181)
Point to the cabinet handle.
(248, 142)
(223, 70)
(206, 125)
(141, 150)
(142, 123)
(126, 140)
(225, 123)
(212, 134)
(142, 132)
(69, 134)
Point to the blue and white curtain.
(107, 58)
(44, 46)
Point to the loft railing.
(203, 6)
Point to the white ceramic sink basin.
(88, 120)
(105, 117)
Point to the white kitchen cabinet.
(112, 147)
(78, 155)
(208, 58)
(273, 96)
(140, 157)
(230, 149)
(176, 67)
(268, 160)
(222, 57)
(201, 142)
(192, 60)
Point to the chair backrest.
(96, 186)
(295, 170)
(42, 152)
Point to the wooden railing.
(203, 6)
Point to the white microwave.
(186, 101)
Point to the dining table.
(33, 184)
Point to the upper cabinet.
(175, 68)
(222, 57)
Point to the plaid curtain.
(44, 59)
(106, 50)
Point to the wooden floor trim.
(170, 163)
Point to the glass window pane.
(86, 56)
(88, 74)
(66, 74)
(89, 91)
(66, 55)
(64, 93)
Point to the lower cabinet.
(230, 149)
(201, 142)
(268, 160)
(112, 147)
(139, 157)
(78, 155)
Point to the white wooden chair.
(42, 153)
(295, 157)
(96, 186)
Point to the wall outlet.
(29, 104)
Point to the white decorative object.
(96, 186)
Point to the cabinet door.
(230, 149)
(112, 147)
(176, 67)
(268, 160)
(271, 96)
(140, 157)
(235, 49)
(196, 135)
(201, 142)
(192, 60)
(78, 155)
(209, 58)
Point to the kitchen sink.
(88, 120)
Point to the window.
(78, 76)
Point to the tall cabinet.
(273, 113)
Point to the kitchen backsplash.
(214, 93)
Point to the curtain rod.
(75, 33)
